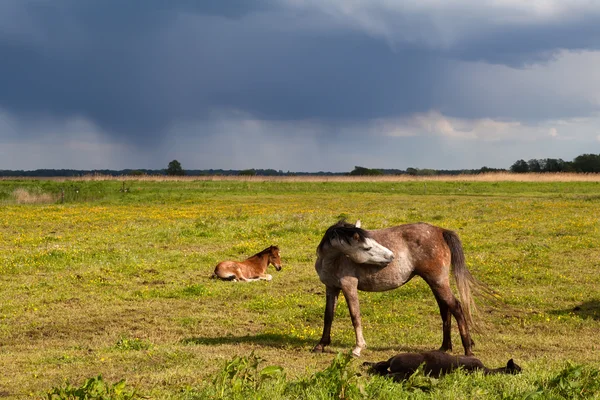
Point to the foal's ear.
(510, 365)
(356, 237)
(357, 224)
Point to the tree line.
(585, 163)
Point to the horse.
(435, 364)
(349, 259)
(251, 269)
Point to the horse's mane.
(266, 251)
(342, 231)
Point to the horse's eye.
(368, 248)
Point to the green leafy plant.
(241, 375)
(93, 389)
(125, 343)
(338, 380)
(573, 382)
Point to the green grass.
(112, 283)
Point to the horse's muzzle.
(277, 267)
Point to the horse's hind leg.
(446, 323)
(331, 297)
(449, 305)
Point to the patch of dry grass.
(486, 177)
(24, 196)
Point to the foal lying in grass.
(252, 269)
(435, 364)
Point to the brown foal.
(252, 269)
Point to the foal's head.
(511, 367)
(274, 257)
(355, 243)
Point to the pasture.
(111, 277)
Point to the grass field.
(111, 277)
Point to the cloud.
(498, 31)
(300, 73)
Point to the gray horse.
(351, 259)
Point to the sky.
(297, 85)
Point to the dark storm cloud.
(135, 67)
(135, 71)
(522, 46)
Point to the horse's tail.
(465, 282)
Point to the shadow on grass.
(265, 339)
(586, 310)
(279, 340)
(401, 349)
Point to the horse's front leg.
(350, 290)
(331, 296)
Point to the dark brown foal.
(435, 364)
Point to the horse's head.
(356, 244)
(274, 257)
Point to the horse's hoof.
(356, 352)
(318, 348)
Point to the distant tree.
(136, 172)
(520, 166)
(554, 165)
(427, 172)
(587, 163)
(568, 166)
(269, 172)
(247, 172)
(534, 165)
(365, 171)
(421, 172)
(485, 169)
(175, 169)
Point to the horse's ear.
(357, 224)
(510, 364)
(356, 236)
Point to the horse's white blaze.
(367, 252)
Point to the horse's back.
(413, 237)
(420, 247)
